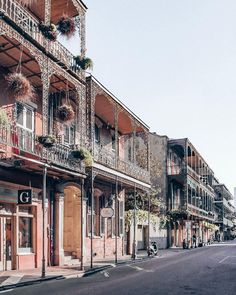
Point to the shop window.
(25, 234)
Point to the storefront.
(20, 229)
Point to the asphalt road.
(203, 271)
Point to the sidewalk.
(15, 278)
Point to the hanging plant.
(66, 26)
(49, 31)
(84, 63)
(19, 87)
(3, 117)
(83, 155)
(65, 113)
(47, 141)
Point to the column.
(59, 227)
(47, 12)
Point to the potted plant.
(83, 155)
(49, 31)
(3, 117)
(84, 63)
(66, 113)
(47, 141)
(19, 87)
(66, 26)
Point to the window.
(25, 234)
(69, 134)
(113, 142)
(121, 218)
(97, 134)
(25, 127)
(25, 116)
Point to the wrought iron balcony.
(29, 24)
(107, 157)
(176, 170)
(16, 141)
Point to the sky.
(173, 63)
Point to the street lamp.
(43, 209)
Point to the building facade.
(224, 211)
(190, 195)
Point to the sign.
(24, 197)
(107, 212)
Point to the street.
(209, 270)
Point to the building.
(66, 139)
(158, 177)
(26, 161)
(224, 211)
(119, 173)
(191, 196)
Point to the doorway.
(6, 243)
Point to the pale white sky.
(173, 62)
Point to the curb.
(87, 273)
(32, 282)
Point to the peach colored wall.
(26, 261)
(104, 247)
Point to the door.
(6, 243)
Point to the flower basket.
(66, 26)
(84, 63)
(65, 113)
(49, 31)
(83, 155)
(47, 141)
(19, 87)
(3, 117)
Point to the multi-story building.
(120, 149)
(224, 211)
(51, 114)
(190, 194)
(25, 161)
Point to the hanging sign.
(107, 212)
(24, 197)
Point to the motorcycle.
(152, 250)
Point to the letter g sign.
(25, 197)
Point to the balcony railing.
(17, 141)
(228, 206)
(108, 158)
(176, 170)
(29, 24)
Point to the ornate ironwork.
(29, 24)
(24, 143)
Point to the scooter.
(152, 250)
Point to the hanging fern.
(84, 63)
(19, 87)
(66, 113)
(66, 26)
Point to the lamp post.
(43, 209)
(134, 238)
